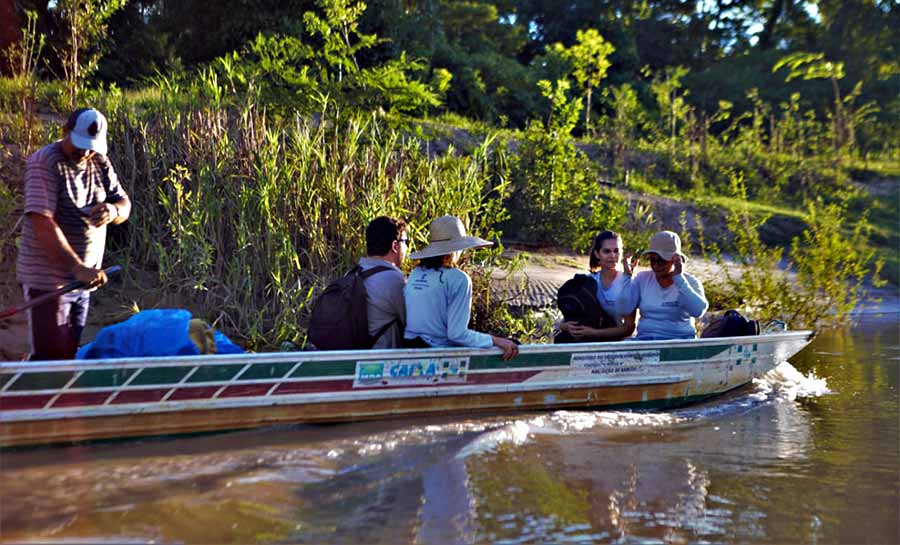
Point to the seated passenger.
(387, 241)
(604, 259)
(439, 296)
(668, 298)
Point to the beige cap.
(665, 244)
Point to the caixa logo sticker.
(410, 372)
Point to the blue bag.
(149, 333)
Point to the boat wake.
(785, 382)
(780, 385)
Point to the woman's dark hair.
(436, 262)
(594, 263)
(381, 234)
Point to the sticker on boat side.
(410, 372)
(601, 363)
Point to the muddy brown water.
(809, 455)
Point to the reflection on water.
(792, 458)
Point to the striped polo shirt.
(58, 188)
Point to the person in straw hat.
(668, 298)
(439, 296)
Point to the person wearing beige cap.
(668, 298)
(439, 295)
(71, 194)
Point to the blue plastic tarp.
(158, 332)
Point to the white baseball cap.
(89, 130)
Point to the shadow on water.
(787, 459)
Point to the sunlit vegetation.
(257, 140)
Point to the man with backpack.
(365, 308)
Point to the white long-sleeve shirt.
(608, 296)
(666, 313)
(438, 308)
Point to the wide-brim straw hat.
(665, 244)
(447, 235)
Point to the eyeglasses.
(655, 261)
(403, 240)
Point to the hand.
(510, 349)
(91, 278)
(676, 264)
(103, 213)
(630, 263)
(578, 331)
(564, 326)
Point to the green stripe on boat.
(103, 378)
(522, 360)
(42, 381)
(691, 352)
(325, 369)
(215, 373)
(262, 371)
(161, 375)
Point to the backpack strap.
(369, 272)
(366, 274)
(383, 330)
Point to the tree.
(86, 24)
(672, 106)
(589, 58)
(810, 66)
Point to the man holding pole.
(71, 194)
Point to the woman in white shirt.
(439, 296)
(668, 298)
(606, 252)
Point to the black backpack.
(340, 318)
(577, 300)
(730, 324)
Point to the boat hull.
(52, 402)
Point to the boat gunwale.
(392, 354)
(65, 413)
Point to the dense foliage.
(258, 137)
(496, 50)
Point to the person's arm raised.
(692, 297)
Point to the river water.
(811, 454)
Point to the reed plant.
(249, 215)
(816, 282)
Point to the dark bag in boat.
(730, 324)
(340, 318)
(577, 300)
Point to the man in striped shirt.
(71, 194)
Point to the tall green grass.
(250, 215)
(244, 214)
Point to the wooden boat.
(50, 402)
